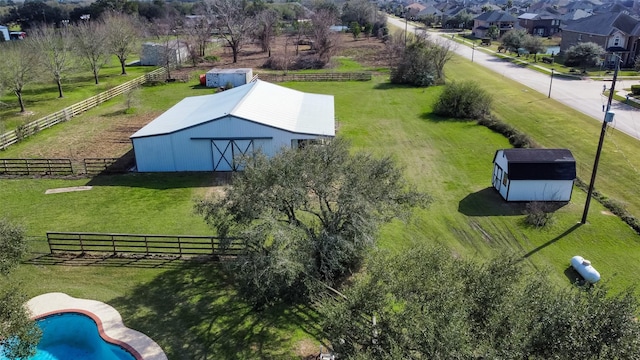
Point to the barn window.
(505, 178)
(302, 143)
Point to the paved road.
(583, 95)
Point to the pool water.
(74, 336)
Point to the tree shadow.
(193, 312)
(550, 242)
(488, 202)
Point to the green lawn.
(42, 99)
(192, 311)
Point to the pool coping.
(108, 319)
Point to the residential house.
(412, 10)
(544, 24)
(617, 33)
(484, 21)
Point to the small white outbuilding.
(534, 174)
(221, 77)
(209, 132)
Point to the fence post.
(213, 246)
(81, 244)
(113, 244)
(146, 245)
(49, 242)
(179, 246)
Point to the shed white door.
(226, 152)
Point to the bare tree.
(267, 27)
(198, 30)
(440, 52)
(54, 49)
(91, 45)
(232, 23)
(169, 49)
(18, 67)
(122, 35)
(301, 29)
(325, 41)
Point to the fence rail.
(36, 167)
(316, 77)
(63, 167)
(114, 244)
(23, 131)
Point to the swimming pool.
(71, 336)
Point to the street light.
(550, 83)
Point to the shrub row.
(516, 138)
(612, 205)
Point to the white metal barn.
(207, 133)
(534, 174)
(222, 77)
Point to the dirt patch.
(368, 52)
(68, 189)
(307, 349)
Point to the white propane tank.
(584, 268)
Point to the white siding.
(154, 154)
(540, 190)
(191, 149)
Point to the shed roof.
(229, 71)
(540, 164)
(261, 102)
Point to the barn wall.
(540, 190)
(190, 150)
(154, 154)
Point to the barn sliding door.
(226, 153)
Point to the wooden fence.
(114, 244)
(36, 167)
(23, 131)
(315, 77)
(62, 167)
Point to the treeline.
(62, 38)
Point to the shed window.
(505, 179)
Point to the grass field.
(192, 311)
(41, 98)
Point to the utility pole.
(406, 26)
(608, 117)
(550, 83)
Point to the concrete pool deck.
(108, 319)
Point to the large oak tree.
(307, 216)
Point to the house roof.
(528, 16)
(494, 16)
(604, 24)
(261, 102)
(540, 164)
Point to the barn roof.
(261, 102)
(539, 164)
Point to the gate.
(226, 152)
